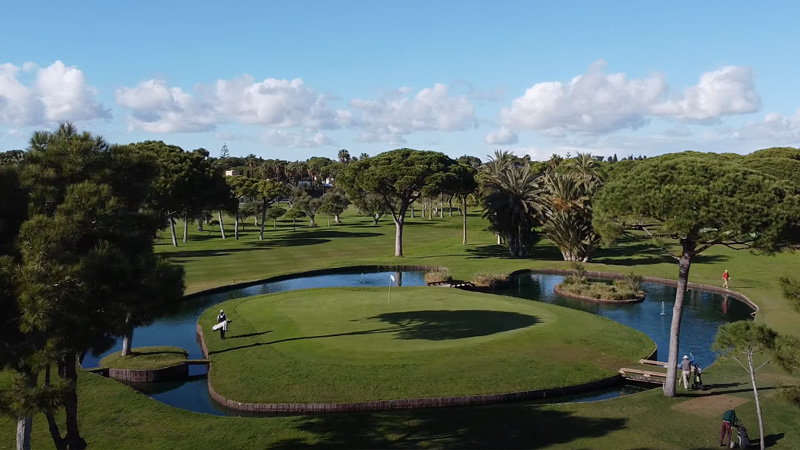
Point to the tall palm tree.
(568, 208)
(512, 202)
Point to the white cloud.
(503, 136)
(276, 103)
(597, 103)
(775, 127)
(729, 90)
(57, 93)
(157, 108)
(280, 138)
(591, 103)
(398, 113)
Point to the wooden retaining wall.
(175, 372)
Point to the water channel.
(703, 313)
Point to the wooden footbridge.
(645, 376)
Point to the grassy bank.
(146, 358)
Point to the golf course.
(360, 344)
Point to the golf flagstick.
(391, 280)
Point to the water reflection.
(703, 312)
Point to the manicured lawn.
(113, 416)
(146, 358)
(351, 345)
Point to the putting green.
(355, 344)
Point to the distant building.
(232, 173)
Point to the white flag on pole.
(391, 277)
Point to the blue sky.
(295, 79)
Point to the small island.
(143, 358)
(625, 290)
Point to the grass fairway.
(146, 358)
(352, 345)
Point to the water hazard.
(703, 313)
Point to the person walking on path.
(725, 278)
(686, 370)
(728, 420)
(222, 318)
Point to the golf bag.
(697, 381)
(744, 440)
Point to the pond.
(703, 313)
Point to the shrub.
(491, 280)
(790, 393)
(438, 276)
(634, 280)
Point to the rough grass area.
(438, 276)
(354, 344)
(146, 358)
(601, 291)
(491, 280)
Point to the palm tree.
(512, 201)
(568, 208)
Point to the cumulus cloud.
(729, 90)
(592, 103)
(57, 93)
(503, 136)
(281, 138)
(271, 102)
(597, 103)
(158, 108)
(774, 127)
(277, 103)
(398, 112)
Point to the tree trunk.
(24, 426)
(499, 239)
(677, 313)
(398, 235)
(275, 223)
(70, 401)
(221, 225)
(758, 404)
(55, 434)
(127, 337)
(236, 225)
(450, 206)
(313, 221)
(398, 279)
(464, 217)
(255, 219)
(263, 219)
(441, 205)
(200, 224)
(336, 219)
(294, 224)
(185, 227)
(375, 219)
(412, 212)
(172, 229)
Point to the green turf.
(357, 344)
(146, 358)
(113, 416)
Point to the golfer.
(222, 318)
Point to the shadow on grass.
(522, 426)
(239, 336)
(438, 325)
(426, 325)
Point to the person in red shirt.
(725, 278)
